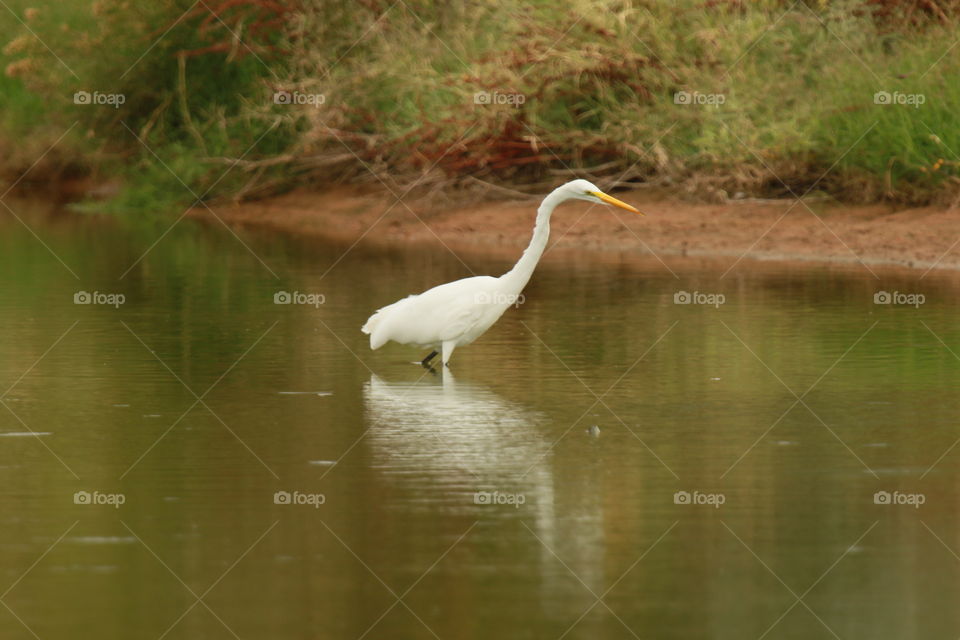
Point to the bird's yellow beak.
(615, 202)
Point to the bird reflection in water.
(455, 434)
(440, 441)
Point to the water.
(186, 409)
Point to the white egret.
(457, 313)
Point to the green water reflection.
(199, 399)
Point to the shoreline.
(674, 232)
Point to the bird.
(455, 314)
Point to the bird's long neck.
(516, 279)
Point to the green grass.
(177, 114)
(598, 80)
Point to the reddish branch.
(256, 22)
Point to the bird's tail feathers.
(374, 321)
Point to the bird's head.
(586, 190)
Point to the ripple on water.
(91, 568)
(898, 471)
(305, 393)
(102, 539)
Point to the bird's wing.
(459, 317)
(469, 308)
(442, 313)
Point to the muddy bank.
(673, 230)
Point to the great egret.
(455, 314)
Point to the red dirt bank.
(771, 230)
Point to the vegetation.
(242, 98)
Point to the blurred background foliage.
(599, 82)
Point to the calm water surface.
(280, 480)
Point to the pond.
(638, 450)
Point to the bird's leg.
(448, 347)
(426, 361)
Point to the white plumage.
(457, 313)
